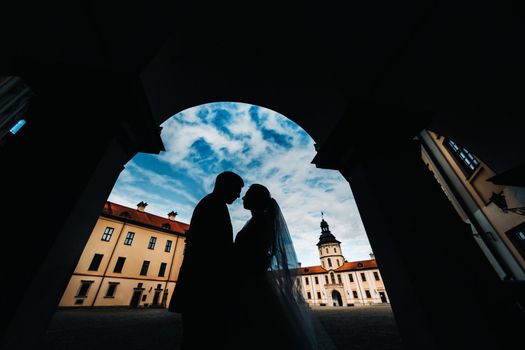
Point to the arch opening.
(263, 147)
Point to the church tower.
(329, 248)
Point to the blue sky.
(263, 147)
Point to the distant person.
(270, 312)
(202, 291)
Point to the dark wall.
(75, 114)
(102, 72)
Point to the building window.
(119, 264)
(166, 226)
(339, 279)
(125, 214)
(106, 236)
(168, 246)
(110, 293)
(129, 238)
(307, 281)
(144, 269)
(326, 279)
(316, 280)
(329, 262)
(517, 236)
(95, 263)
(322, 263)
(309, 295)
(463, 157)
(351, 277)
(355, 294)
(318, 295)
(332, 277)
(363, 277)
(326, 250)
(376, 276)
(367, 292)
(162, 269)
(83, 290)
(152, 241)
(335, 250)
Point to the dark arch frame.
(107, 82)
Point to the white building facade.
(337, 282)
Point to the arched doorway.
(336, 298)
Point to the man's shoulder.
(209, 205)
(209, 197)
(209, 200)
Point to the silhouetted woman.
(271, 312)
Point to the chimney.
(372, 256)
(171, 215)
(141, 206)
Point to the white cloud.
(302, 190)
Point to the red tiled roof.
(347, 266)
(118, 211)
(311, 270)
(358, 265)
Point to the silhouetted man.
(202, 289)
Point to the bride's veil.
(284, 278)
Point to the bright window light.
(17, 126)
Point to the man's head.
(228, 185)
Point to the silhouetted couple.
(242, 295)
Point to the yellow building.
(495, 212)
(132, 258)
(337, 282)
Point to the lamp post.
(499, 200)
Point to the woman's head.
(257, 198)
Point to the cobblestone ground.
(356, 328)
(101, 329)
(361, 328)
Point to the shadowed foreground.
(359, 328)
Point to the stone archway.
(373, 196)
(353, 104)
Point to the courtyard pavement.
(356, 328)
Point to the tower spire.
(329, 247)
(326, 235)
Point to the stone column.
(444, 292)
